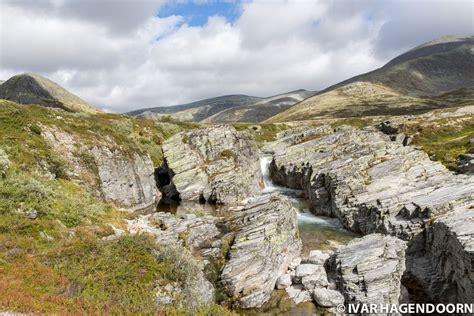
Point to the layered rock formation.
(216, 164)
(372, 184)
(369, 269)
(266, 242)
(440, 263)
(188, 230)
(126, 179)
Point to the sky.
(121, 55)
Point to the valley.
(297, 203)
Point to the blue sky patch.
(196, 13)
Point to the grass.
(266, 133)
(52, 256)
(443, 139)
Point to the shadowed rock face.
(213, 164)
(34, 89)
(266, 241)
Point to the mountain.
(31, 88)
(228, 108)
(197, 111)
(261, 110)
(415, 81)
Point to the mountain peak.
(31, 88)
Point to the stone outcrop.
(216, 164)
(266, 242)
(295, 136)
(466, 163)
(369, 269)
(126, 179)
(188, 230)
(441, 263)
(372, 184)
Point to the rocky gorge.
(415, 214)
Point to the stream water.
(316, 232)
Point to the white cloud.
(119, 55)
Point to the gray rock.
(369, 182)
(266, 241)
(369, 269)
(306, 269)
(441, 262)
(167, 228)
(465, 163)
(283, 281)
(32, 214)
(318, 279)
(298, 294)
(216, 164)
(327, 298)
(125, 179)
(316, 257)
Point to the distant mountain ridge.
(29, 88)
(262, 109)
(228, 108)
(433, 68)
(433, 75)
(196, 111)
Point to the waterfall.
(304, 215)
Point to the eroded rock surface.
(126, 179)
(372, 184)
(216, 164)
(441, 264)
(266, 242)
(188, 230)
(369, 269)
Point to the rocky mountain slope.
(437, 74)
(31, 88)
(231, 108)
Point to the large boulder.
(216, 164)
(369, 269)
(266, 242)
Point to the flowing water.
(316, 232)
